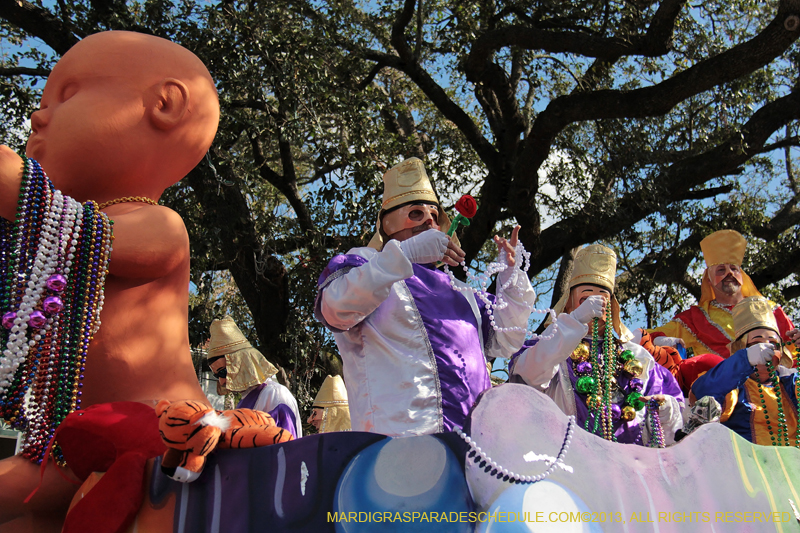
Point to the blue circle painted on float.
(541, 507)
(403, 484)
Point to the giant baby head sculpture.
(123, 114)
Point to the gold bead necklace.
(125, 199)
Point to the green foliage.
(320, 98)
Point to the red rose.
(467, 206)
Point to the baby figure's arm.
(11, 166)
(150, 241)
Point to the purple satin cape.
(282, 414)
(453, 334)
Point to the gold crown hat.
(724, 247)
(332, 399)
(596, 265)
(756, 312)
(246, 365)
(404, 183)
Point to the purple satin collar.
(339, 262)
(249, 401)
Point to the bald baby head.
(124, 112)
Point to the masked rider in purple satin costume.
(414, 349)
(557, 362)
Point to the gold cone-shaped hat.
(756, 312)
(332, 399)
(332, 393)
(752, 313)
(404, 183)
(407, 182)
(724, 247)
(246, 365)
(226, 338)
(596, 265)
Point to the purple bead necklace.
(656, 431)
(54, 260)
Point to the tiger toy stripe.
(191, 430)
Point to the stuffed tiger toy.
(191, 430)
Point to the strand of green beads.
(761, 391)
(609, 367)
(603, 390)
(797, 418)
(596, 369)
(783, 428)
(766, 415)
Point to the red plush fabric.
(692, 368)
(116, 438)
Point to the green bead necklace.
(599, 385)
(783, 428)
(603, 370)
(609, 367)
(797, 418)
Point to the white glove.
(666, 409)
(591, 308)
(672, 342)
(761, 353)
(426, 247)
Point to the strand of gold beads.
(126, 199)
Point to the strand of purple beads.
(54, 261)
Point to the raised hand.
(592, 307)
(431, 246)
(760, 354)
(508, 246)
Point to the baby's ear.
(169, 105)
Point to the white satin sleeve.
(520, 297)
(351, 297)
(538, 364)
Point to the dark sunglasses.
(221, 373)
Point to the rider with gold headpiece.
(707, 328)
(241, 368)
(330, 411)
(756, 387)
(414, 347)
(602, 379)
